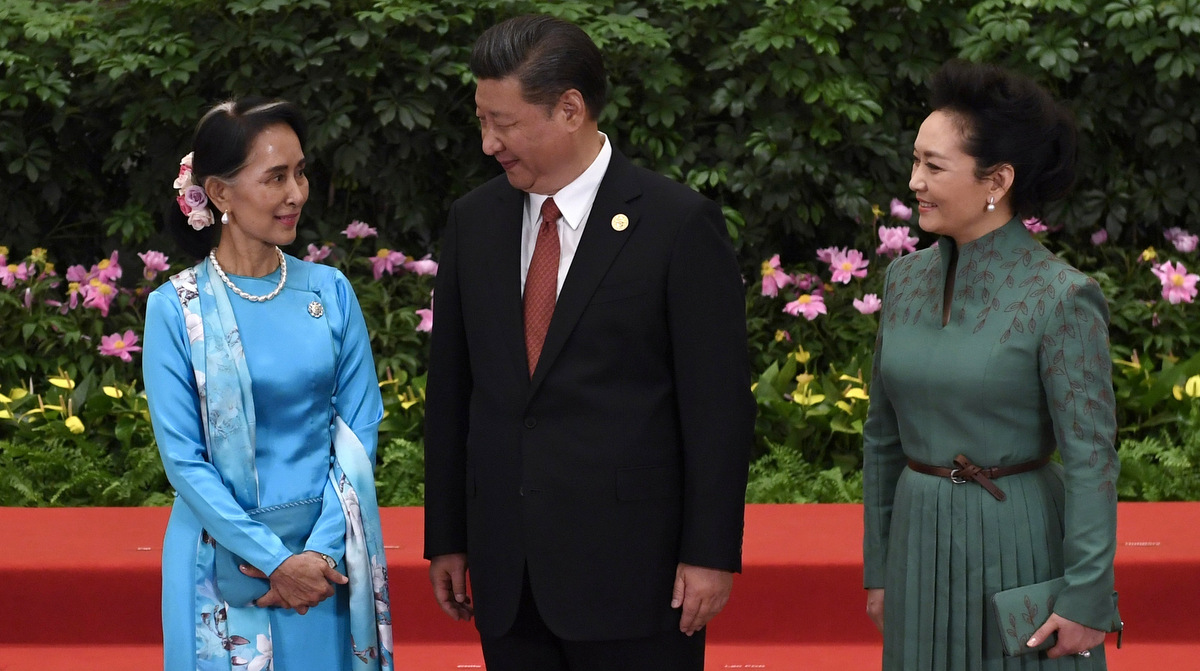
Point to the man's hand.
(1073, 638)
(301, 582)
(701, 593)
(448, 574)
(875, 607)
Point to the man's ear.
(218, 192)
(572, 107)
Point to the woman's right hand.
(875, 607)
(301, 582)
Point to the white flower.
(266, 658)
(195, 327)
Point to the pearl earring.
(991, 206)
(225, 216)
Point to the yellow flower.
(407, 401)
(1133, 362)
(18, 393)
(49, 268)
(801, 355)
(803, 380)
(856, 392)
(844, 407)
(1192, 386)
(3, 250)
(113, 392)
(38, 254)
(74, 424)
(877, 211)
(780, 335)
(5, 399)
(63, 382)
(4, 414)
(803, 396)
(1148, 254)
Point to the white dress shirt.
(575, 202)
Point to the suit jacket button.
(530, 422)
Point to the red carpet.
(79, 589)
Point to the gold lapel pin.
(620, 222)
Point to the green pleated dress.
(1020, 369)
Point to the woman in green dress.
(991, 353)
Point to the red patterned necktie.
(541, 283)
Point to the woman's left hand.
(1073, 638)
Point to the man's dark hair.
(548, 56)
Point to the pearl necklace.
(212, 256)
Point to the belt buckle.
(954, 477)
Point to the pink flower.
(1034, 225)
(895, 240)
(185, 172)
(97, 294)
(425, 266)
(1173, 232)
(869, 304)
(426, 324)
(1178, 285)
(119, 345)
(809, 305)
(806, 281)
(1186, 243)
(826, 254)
(848, 265)
(386, 261)
(773, 278)
(358, 229)
(156, 262)
(900, 211)
(1099, 237)
(76, 274)
(108, 270)
(193, 198)
(28, 297)
(8, 275)
(317, 255)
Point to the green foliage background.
(797, 116)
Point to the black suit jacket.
(627, 451)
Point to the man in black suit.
(589, 415)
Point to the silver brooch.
(316, 309)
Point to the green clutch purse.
(1022, 610)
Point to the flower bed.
(74, 427)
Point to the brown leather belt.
(965, 471)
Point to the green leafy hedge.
(797, 116)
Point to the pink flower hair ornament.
(193, 202)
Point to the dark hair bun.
(1008, 118)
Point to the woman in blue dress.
(263, 395)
